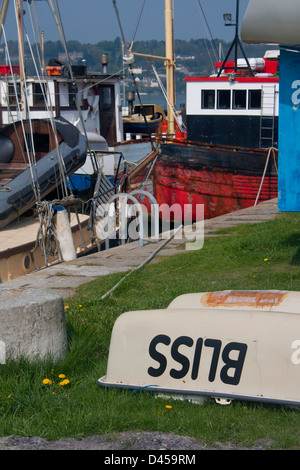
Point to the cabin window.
(254, 99)
(38, 143)
(208, 99)
(148, 110)
(38, 95)
(72, 94)
(239, 99)
(12, 98)
(223, 99)
(105, 97)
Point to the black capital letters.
(236, 365)
(160, 358)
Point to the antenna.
(236, 42)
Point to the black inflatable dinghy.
(19, 179)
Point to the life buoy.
(91, 91)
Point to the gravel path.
(122, 441)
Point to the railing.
(123, 216)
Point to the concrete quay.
(67, 277)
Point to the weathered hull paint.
(224, 179)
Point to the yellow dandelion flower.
(266, 259)
(64, 382)
(62, 376)
(47, 382)
(67, 306)
(79, 305)
(9, 396)
(169, 407)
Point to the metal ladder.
(103, 191)
(267, 117)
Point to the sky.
(91, 21)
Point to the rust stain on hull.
(245, 298)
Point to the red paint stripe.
(237, 79)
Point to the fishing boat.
(89, 101)
(227, 158)
(142, 120)
(56, 132)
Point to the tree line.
(194, 57)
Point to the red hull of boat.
(221, 190)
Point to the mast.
(235, 44)
(170, 63)
(19, 12)
(3, 12)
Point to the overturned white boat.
(223, 345)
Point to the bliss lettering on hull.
(231, 368)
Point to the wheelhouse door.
(107, 113)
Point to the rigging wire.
(215, 48)
(39, 52)
(46, 96)
(119, 21)
(51, 117)
(164, 91)
(31, 155)
(58, 20)
(172, 107)
(119, 72)
(207, 42)
(19, 112)
(132, 74)
(137, 25)
(47, 99)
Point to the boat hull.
(140, 127)
(229, 345)
(223, 179)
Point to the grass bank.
(70, 403)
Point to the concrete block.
(32, 324)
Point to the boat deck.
(19, 252)
(18, 234)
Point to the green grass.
(262, 256)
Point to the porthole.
(26, 262)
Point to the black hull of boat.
(135, 127)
